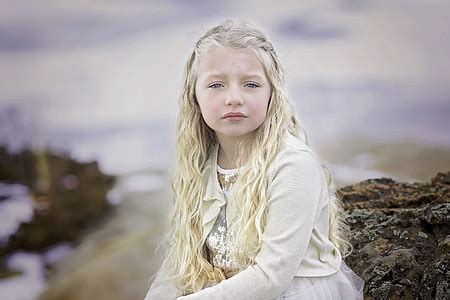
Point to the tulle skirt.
(344, 284)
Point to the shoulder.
(295, 172)
(295, 144)
(297, 154)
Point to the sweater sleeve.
(293, 196)
(163, 288)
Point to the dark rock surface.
(68, 197)
(400, 234)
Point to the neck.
(227, 148)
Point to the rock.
(68, 197)
(400, 234)
(17, 167)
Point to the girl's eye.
(252, 85)
(215, 85)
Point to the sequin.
(221, 239)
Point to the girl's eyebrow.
(222, 75)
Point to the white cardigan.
(295, 241)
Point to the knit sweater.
(295, 240)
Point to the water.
(32, 281)
(17, 207)
(30, 284)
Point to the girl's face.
(232, 91)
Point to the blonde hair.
(194, 143)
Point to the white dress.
(344, 284)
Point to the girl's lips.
(234, 118)
(233, 115)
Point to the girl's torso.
(322, 258)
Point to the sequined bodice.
(220, 240)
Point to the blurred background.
(88, 101)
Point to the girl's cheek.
(259, 103)
(217, 103)
(216, 108)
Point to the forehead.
(228, 61)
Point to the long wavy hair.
(194, 142)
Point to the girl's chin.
(233, 134)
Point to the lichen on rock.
(400, 234)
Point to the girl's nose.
(234, 97)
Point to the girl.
(255, 212)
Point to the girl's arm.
(294, 197)
(162, 288)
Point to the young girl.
(255, 212)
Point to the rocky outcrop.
(400, 234)
(68, 197)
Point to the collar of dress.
(214, 197)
